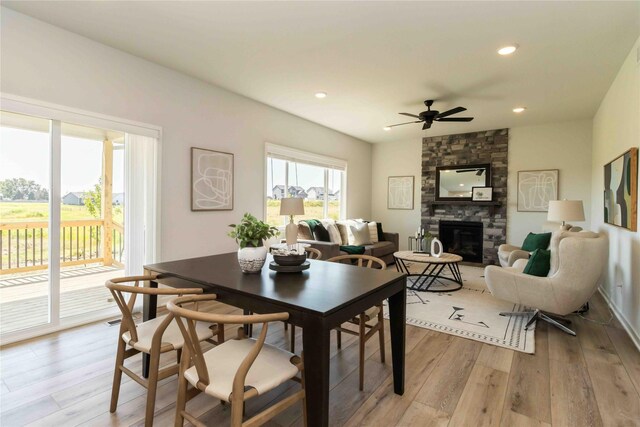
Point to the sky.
(25, 154)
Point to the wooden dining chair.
(312, 253)
(153, 337)
(236, 370)
(369, 321)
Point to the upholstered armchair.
(509, 254)
(577, 264)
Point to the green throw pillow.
(535, 241)
(539, 263)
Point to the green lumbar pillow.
(539, 263)
(535, 241)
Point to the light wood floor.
(64, 379)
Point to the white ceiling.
(377, 59)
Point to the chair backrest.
(118, 288)
(554, 245)
(359, 260)
(581, 263)
(313, 253)
(186, 319)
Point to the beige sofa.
(383, 249)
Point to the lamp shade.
(565, 210)
(292, 206)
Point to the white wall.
(564, 146)
(46, 63)
(396, 159)
(616, 128)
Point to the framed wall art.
(400, 192)
(621, 190)
(211, 180)
(536, 188)
(482, 194)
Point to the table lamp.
(291, 206)
(565, 210)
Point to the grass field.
(313, 209)
(25, 245)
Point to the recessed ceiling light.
(461, 185)
(519, 109)
(387, 128)
(508, 50)
(321, 95)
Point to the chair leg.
(381, 334)
(534, 319)
(556, 324)
(220, 333)
(117, 375)
(538, 315)
(181, 401)
(361, 340)
(286, 326)
(339, 338)
(293, 338)
(152, 386)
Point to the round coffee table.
(432, 271)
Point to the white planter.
(251, 260)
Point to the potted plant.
(250, 234)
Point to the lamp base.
(291, 234)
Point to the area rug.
(471, 312)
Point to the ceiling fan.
(429, 116)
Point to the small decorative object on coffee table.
(432, 272)
(250, 234)
(421, 238)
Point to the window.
(319, 180)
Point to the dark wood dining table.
(317, 300)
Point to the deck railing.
(24, 245)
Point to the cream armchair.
(577, 264)
(509, 254)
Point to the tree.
(93, 200)
(22, 189)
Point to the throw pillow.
(345, 231)
(539, 263)
(304, 232)
(361, 234)
(320, 233)
(334, 234)
(535, 241)
(380, 232)
(373, 231)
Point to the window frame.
(289, 154)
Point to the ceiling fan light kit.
(430, 116)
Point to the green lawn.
(26, 211)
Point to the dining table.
(318, 300)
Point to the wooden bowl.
(290, 260)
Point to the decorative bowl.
(292, 259)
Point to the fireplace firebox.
(463, 238)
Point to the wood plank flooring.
(64, 379)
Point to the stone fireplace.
(468, 149)
(464, 238)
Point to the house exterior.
(118, 199)
(294, 191)
(334, 196)
(73, 198)
(315, 193)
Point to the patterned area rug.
(471, 312)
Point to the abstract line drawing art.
(536, 188)
(400, 192)
(211, 180)
(621, 190)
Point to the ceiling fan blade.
(455, 119)
(452, 111)
(410, 115)
(426, 126)
(407, 123)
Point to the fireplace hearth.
(463, 238)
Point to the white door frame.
(57, 114)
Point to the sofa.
(382, 249)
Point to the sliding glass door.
(68, 194)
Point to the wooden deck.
(24, 298)
(64, 379)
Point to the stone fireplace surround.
(466, 149)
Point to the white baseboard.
(627, 327)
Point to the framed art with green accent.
(621, 190)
